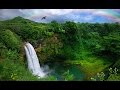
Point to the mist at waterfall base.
(55, 68)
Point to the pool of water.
(59, 68)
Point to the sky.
(61, 15)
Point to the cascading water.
(33, 62)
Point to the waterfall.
(33, 62)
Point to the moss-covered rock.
(50, 47)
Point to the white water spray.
(33, 62)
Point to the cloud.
(61, 15)
(9, 13)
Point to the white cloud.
(9, 13)
(69, 13)
(88, 18)
(66, 14)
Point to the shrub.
(10, 40)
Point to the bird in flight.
(43, 18)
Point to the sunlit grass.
(91, 66)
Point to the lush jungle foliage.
(94, 46)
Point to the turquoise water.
(60, 68)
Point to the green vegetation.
(91, 66)
(113, 76)
(67, 76)
(93, 46)
(10, 40)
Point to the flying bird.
(43, 18)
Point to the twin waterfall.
(33, 62)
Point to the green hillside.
(93, 47)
